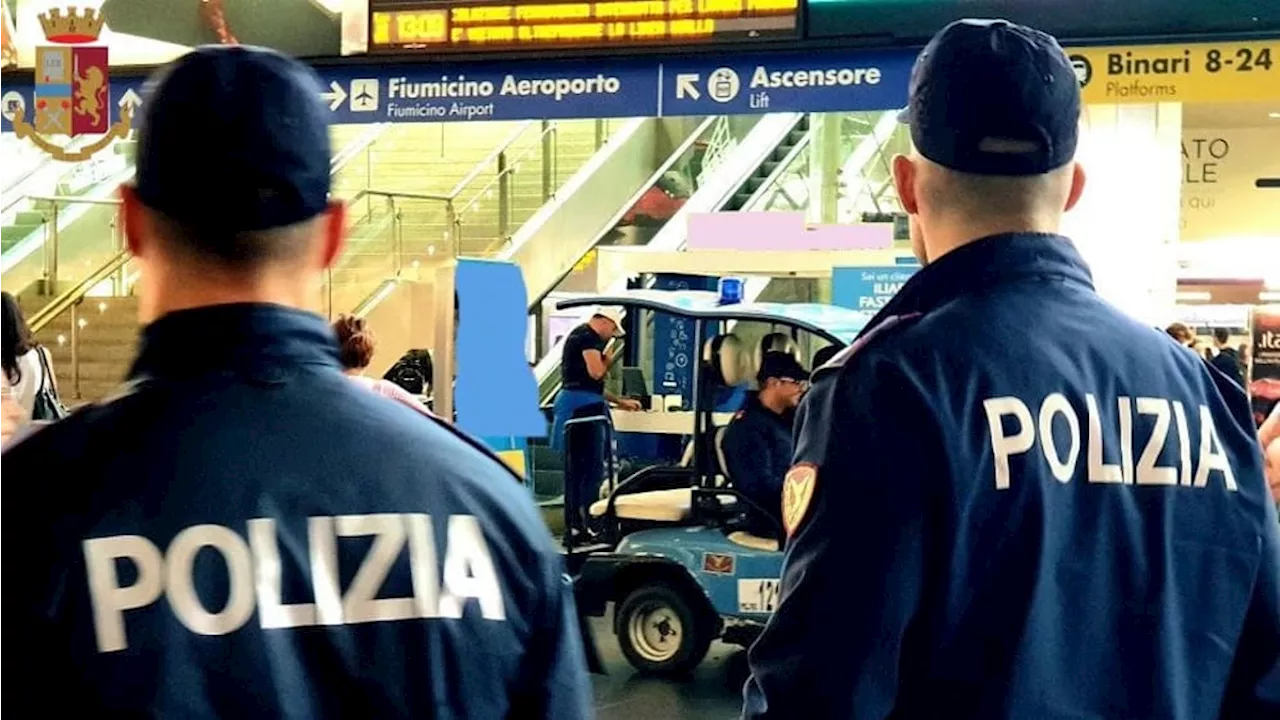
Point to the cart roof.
(837, 324)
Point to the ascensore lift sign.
(1195, 72)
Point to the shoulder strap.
(45, 371)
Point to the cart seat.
(755, 542)
(673, 505)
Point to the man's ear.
(1077, 186)
(904, 181)
(133, 216)
(335, 232)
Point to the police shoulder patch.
(797, 493)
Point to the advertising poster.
(1264, 366)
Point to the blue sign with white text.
(583, 88)
(477, 92)
(811, 82)
(867, 288)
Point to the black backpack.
(47, 407)
(412, 372)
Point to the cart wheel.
(660, 632)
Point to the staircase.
(434, 159)
(108, 343)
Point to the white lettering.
(1008, 440)
(1125, 406)
(1184, 444)
(255, 575)
(1099, 472)
(109, 600)
(1212, 456)
(422, 564)
(1148, 472)
(180, 580)
(1002, 446)
(469, 572)
(761, 77)
(359, 604)
(1056, 404)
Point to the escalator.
(731, 180)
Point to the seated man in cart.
(757, 442)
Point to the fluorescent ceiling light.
(1194, 295)
(1274, 115)
(1269, 296)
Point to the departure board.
(407, 26)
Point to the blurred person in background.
(356, 347)
(1182, 334)
(1227, 360)
(27, 366)
(242, 531)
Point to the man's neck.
(178, 290)
(949, 233)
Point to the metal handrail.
(672, 159)
(510, 169)
(63, 302)
(490, 158)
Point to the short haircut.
(242, 249)
(997, 195)
(1221, 334)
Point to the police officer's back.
(997, 510)
(242, 532)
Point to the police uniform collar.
(237, 336)
(984, 263)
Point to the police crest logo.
(717, 563)
(73, 90)
(797, 492)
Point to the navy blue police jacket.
(1012, 500)
(246, 533)
(757, 450)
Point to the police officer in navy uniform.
(996, 510)
(757, 442)
(243, 532)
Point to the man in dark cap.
(995, 510)
(757, 442)
(241, 531)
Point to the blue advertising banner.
(586, 88)
(809, 82)
(867, 288)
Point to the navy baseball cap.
(781, 365)
(234, 139)
(989, 97)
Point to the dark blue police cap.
(989, 97)
(782, 365)
(234, 139)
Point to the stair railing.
(116, 268)
(71, 300)
(530, 142)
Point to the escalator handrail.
(545, 374)
(703, 128)
(63, 302)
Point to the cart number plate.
(758, 596)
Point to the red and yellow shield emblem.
(797, 492)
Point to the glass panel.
(522, 178)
